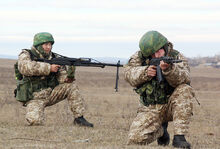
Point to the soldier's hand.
(151, 71)
(69, 80)
(54, 68)
(164, 65)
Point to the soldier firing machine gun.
(87, 62)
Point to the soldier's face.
(158, 54)
(47, 47)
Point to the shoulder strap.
(33, 53)
(54, 55)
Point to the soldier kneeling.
(160, 102)
(41, 84)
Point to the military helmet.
(151, 42)
(42, 37)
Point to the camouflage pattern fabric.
(146, 127)
(33, 68)
(136, 74)
(28, 67)
(48, 97)
(42, 37)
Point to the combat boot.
(165, 138)
(179, 141)
(81, 121)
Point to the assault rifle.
(156, 62)
(87, 62)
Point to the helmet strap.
(42, 52)
(165, 47)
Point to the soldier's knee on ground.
(135, 137)
(143, 138)
(132, 141)
(35, 113)
(32, 121)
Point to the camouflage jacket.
(136, 74)
(28, 67)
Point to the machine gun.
(87, 62)
(156, 62)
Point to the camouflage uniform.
(48, 96)
(146, 127)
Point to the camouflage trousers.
(47, 97)
(147, 126)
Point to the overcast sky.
(110, 28)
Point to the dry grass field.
(111, 112)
